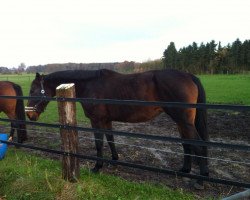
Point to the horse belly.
(135, 114)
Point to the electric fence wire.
(155, 149)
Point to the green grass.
(229, 89)
(25, 176)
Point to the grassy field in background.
(222, 89)
(229, 89)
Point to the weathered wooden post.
(67, 116)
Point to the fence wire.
(139, 135)
(132, 165)
(157, 149)
(136, 135)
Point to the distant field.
(229, 89)
(232, 89)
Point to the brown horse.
(13, 108)
(164, 85)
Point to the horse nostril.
(32, 116)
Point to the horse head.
(39, 88)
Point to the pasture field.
(228, 89)
(231, 89)
(24, 176)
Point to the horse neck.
(53, 84)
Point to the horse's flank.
(13, 108)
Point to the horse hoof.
(184, 170)
(112, 164)
(10, 139)
(95, 170)
(186, 180)
(198, 186)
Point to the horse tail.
(20, 114)
(201, 113)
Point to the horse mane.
(78, 75)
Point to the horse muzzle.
(32, 113)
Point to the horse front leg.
(99, 146)
(110, 139)
(187, 158)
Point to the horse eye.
(32, 91)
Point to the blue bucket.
(3, 147)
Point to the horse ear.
(37, 75)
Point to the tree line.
(211, 57)
(123, 67)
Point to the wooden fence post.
(67, 116)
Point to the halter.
(34, 108)
(42, 88)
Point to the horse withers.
(13, 108)
(157, 85)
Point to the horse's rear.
(13, 108)
(7, 106)
(164, 85)
(175, 86)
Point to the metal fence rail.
(136, 102)
(137, 135)
(138, 166)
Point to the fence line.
(136, 102)
(136, 135)
(132, 165)
(155, 149)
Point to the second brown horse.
(13, 108)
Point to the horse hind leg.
(21, 133)
(12, 131)
(98, 143)
(13, 126)
(188, 131)
(187, 159)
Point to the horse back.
(138, 86)
(6, 88)
(175, 86)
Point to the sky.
(38, 32)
